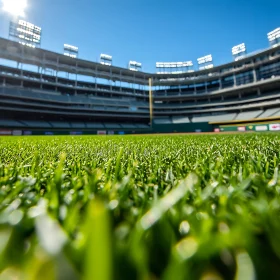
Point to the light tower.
(106, 59)
(70, 51)
(274, 37)
(174, 67)
(134, 66)
(24, 32)
(205, 62)
(238, 51)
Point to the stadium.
(119, 173)
(43, 92)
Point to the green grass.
(146, 207)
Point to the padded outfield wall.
(155, 129)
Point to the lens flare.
(14, 7)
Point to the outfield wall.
(248, 127)
(156, 129)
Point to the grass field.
(145, 207)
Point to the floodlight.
(105, 56)
(205, 59)
(106, 59)
(241, 48)
(274, 34)
(274, 37)
(134, 65)
(105, 63)
(15, 7)
(71, 48)
(27, 45)
(25, 32)
(204, 67)
(187, 64)
(204, 62)
(169, 67)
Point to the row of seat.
(223, 117)
(49, 97)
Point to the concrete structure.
(46, 92)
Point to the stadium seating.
(270, 113)
(36, 124)
(163, 121)
(10, 123)
(114, 98)
(180, 120)
(94, 125)
(248, 115)
(216, 118)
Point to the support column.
(76, 79)
(234, 79)
(110, 80)
(95, 78)
(120, 80)
(134, 82)
(254, 75)
(56, 76)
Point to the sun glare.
(15, 7)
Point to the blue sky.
(150, 30)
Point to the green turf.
(145, 207)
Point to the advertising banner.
(17, 132)
(274, 127)
(5, 132)
(241, 128)
(216, 130)
(101, 132)
(261, 128)
(27, 132)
